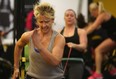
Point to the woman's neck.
(69, 31)
(70, 27)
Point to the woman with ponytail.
(76, 44)
(107, 21)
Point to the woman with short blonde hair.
(45, 47)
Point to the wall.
(61, 5)
(110, 5)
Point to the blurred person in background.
(76, 40)
(107, 21)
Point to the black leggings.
(74, 70)
(29, 77)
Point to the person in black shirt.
(76, 43)
(108, 22)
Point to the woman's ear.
(53, 20)
(37, 26)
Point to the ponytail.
(98, 5)
(101, 7)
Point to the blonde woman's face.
(94, 12)
(70, 17)
(44, 23)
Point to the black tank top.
(110, 25)
(75, 39)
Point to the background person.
(108, 23)
(76, 39)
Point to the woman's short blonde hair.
(43, 8)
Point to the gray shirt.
(38, 68)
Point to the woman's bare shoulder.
(26, 35)
(81, 31)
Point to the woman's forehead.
(69, 11)
(43, 17)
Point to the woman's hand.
(70, 45)
(15, 74)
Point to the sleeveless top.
(38, 68)
(75, 54)
(110, 27)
